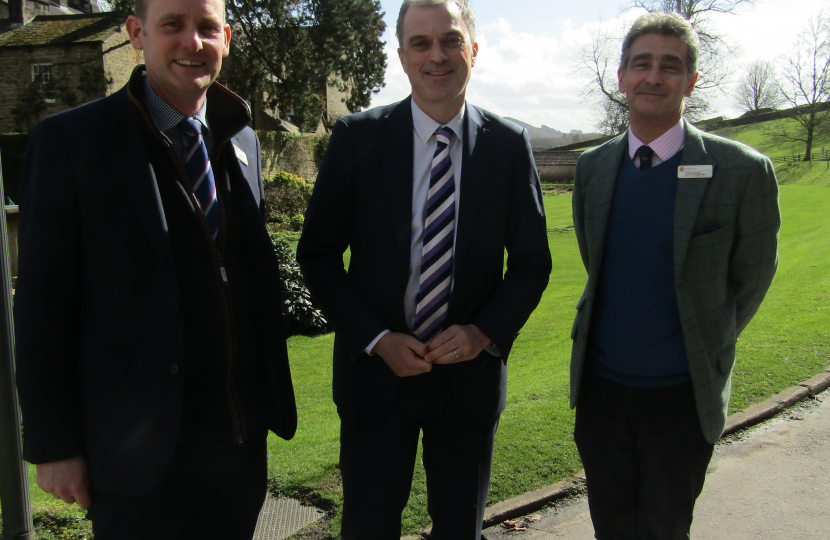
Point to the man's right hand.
(403, 354)
(67, 480)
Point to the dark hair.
(664, 24)
(141, 8)
(467, 15)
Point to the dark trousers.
(645, 458)
(207, 493)
(377, 459)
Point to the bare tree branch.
(757, 88)
(805, 86)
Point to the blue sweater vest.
(636, 338)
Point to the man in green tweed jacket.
(678, 231)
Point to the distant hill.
(547, 137)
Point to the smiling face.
(184, 42)
(656, 80)
(437, 56)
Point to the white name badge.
(694, 171)
(240, 155)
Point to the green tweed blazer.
(721, 276)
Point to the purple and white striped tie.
(436, 262)
(200, 174)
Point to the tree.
(599, 61)
(757, 88)
(805, 85)
(284, 52)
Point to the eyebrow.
(452, 33)
(664, 58)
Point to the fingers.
(82, 497)
(456, 344)
(66, 480)
(403, 354)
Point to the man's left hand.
(456, 344)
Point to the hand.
(456, 344)
(67, 480)
(403, 354)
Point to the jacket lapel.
(140, 180)
(601, 193)
(690, 193)
(474, 173)
(396, 166)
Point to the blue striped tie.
(200, 174)
(436, 262)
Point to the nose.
(436, 52)
(655, 76)
(191, 41)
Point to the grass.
(787, 342)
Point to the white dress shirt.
(424, 145)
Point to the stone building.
(55, 62)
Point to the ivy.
(299, 314)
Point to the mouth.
(439, 73)
(189, 63)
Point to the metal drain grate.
(280, 518)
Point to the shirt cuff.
(375, 342)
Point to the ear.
(475, 54)
(620, 80)
(692, 82)
(227, 32)
(400, 57)
(136, 32)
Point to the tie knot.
(645, 152)
(444, 134)
(191, 126)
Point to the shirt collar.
(164, 115)
(665, 146)
(425, 126)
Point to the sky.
(528, 52)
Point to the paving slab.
(768, 482)
(280, 518)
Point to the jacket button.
(174, 369)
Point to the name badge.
(240, 155)
(694, 171)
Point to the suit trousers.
(645, 458)
(207, 492)
(377, 460)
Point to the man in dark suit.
(151, 358)
(678, 231)
(427, 193)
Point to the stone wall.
(296, 154)
(16, 67)
(115, 55)
(120, 59)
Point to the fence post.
(14, 475)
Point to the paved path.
(771, 482)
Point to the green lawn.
(788, 341)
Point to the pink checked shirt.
(665, 146)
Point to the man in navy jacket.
(151, 358)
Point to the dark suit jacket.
(363, 200)
(97, 310)
(725, 255)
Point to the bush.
(286, 198)
(299, 314)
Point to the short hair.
(141, 8)
(467, 15)
(664, 24)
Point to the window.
(42, 74)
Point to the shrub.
(286, 197)
(299, 314)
